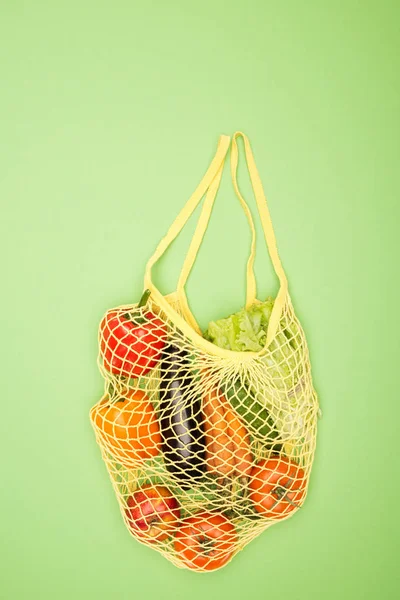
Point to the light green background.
(110, 113)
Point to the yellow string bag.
(206, 447)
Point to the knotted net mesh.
(205, 448)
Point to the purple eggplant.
(181, 419)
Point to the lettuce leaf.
(243, 331)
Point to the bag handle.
(194, 247)
(265, 217)
(210, 184)
(198, 238)
(199, 233)
(205, 217)
(185, 214)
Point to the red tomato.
(205, 541)
(152, 513)
(128, 426)
(130, 345)
(277, 487)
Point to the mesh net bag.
(206, 447)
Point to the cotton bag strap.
(194, 248)
(210, 184)
(262, 209)
(185, 214)
(199, 235)
(269, 235)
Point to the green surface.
(110, 113)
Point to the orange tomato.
(205, 541)
(277, 487)
(128, 427)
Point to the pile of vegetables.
(209, 444)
